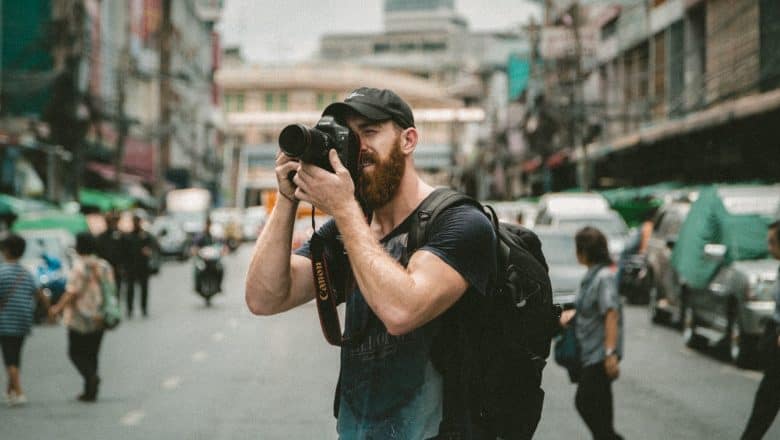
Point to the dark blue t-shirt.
(388, 386)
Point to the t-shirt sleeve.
(607, 292)
(463, 237)
(327, 231)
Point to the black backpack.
(503, 338)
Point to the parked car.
(560, 252)
(735, 300)
(606, 220)
(47, 255)
(664, 293)
(172, 238)
(512, 211)
(552, 205)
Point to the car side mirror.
(670, 241)
(715, 252)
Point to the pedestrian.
(388, 384)
(112, 247)
(599, 332)
(141, 245)
(80, 309)
(18, 293)
(767, 400)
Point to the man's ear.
(410, 137)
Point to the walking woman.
(17, 303)
(80, 306)
(599, 331)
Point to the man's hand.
(612, 367)
(284, 166)
(323, 189)
(566, 317)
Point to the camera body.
(312, 145)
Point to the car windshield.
(559, 249)
(608, 226)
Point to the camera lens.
(294, 140)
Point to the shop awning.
(17, 206)
(52, 219)
(714, 116)
(105, 201)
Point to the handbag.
(567, 352)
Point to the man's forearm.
(611, 329)
(268, 278)
(386, 285)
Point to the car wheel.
(690, 337)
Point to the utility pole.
(577, 101)
(122, 123)
(166, 34)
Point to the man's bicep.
(437, 280)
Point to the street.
(191, 372)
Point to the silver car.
(560, 252)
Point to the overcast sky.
(289, 30)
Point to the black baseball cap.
(374, 104)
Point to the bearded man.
(388, 386)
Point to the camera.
(312, 145)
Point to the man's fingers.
(335, 162)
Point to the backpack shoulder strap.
(430, 208)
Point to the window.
(381, 47)
(228, 100)
(434, 47)
(283, 102)
(269, 101)
(239, 106)
(320, 100)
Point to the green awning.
(52, 219)
(105, 201)
(17, 206)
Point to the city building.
(261, 100)
(682, 90)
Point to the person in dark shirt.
(112, 247)
(389, 386)
(140, 244)
(767, 400)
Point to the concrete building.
(685, 90)
(261, 100)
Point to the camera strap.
(327, 299)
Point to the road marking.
(218, 336)
(132, 418)
(233, 323)
(199, 356)
(171, 383)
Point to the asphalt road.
(192, 372)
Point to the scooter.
(208, 272)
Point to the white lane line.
(218, 336)
(199, 356)
(233, 323)
(132, 418)
(171, 383)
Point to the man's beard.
(380, 186)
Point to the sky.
(284, 31)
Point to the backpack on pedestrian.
(505, 341)
(109, 314)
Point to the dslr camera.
(312, 145)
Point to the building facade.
(260, 101)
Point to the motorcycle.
(208, 272)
